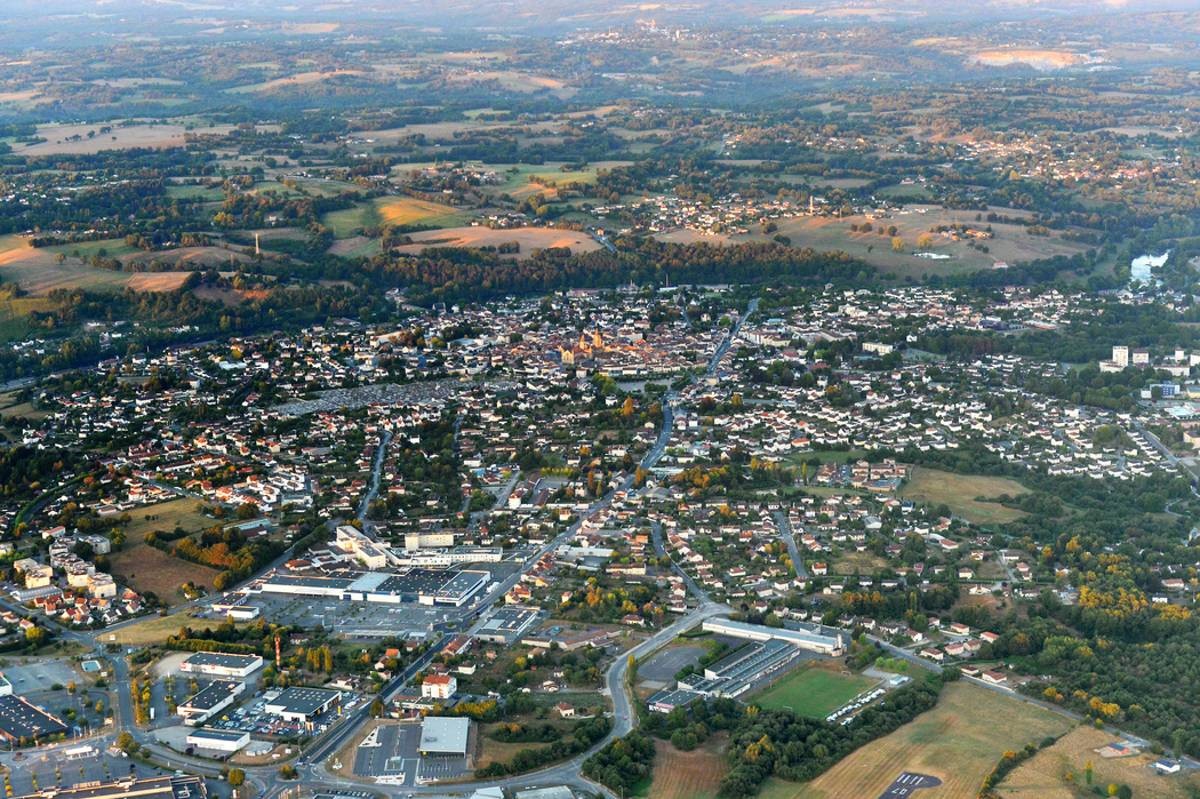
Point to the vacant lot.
(147, 569)
(153, 629)
(959, 741)
(813, 691)
(530, 239)
(688, 775)
(165, 516)
(1044, 776)
(962, 493)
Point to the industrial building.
(811, 641)
(223, 741)
(770, 651)
(302, 704)
(507, 624)
(746, 667)
(423, 586)
(444, 736)
(177, 787)
(21, 721)
(210, 701)
(220, 664)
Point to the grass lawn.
(687, 775)
(961, 492)
(813, 692)
(153, 630)
(184, 512)
(959, 742)
(189, 191)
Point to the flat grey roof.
(444, 735)
(223, 659)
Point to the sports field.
(959, 742)
(813, 692)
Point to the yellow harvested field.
(39, 271)
(299, 79)
(1038, 59)
(530, 238)
(409, 211)
(959, 742)
(687, 235)
(1044, 776)
(74, 140)
(965, 494)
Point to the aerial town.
(567, 401)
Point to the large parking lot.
(68, 764)
(252, 717)
(356, 620)
(37, 675)
(391, 752)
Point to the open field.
(1038, 59)
(38, 270)
(861, 562)
(289, 81)
(959, 741)
(1010, 243)
(688, 775)
(530, 238)
(192, 191)
(184, 512)
(961, 492)
(74, 140)
(813, 691)
(356, 247)
(147, 569)
(392, 211)
(151, 631)
(1044, 775)
(11, 409)
(493, 751)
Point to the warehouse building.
(434, 587)
(22, 722)
(301, 704)
(220, 664)
(210, 701)
(742, 670)
(444, 736)
(813, 642)
(224, 741)
(507, 625)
